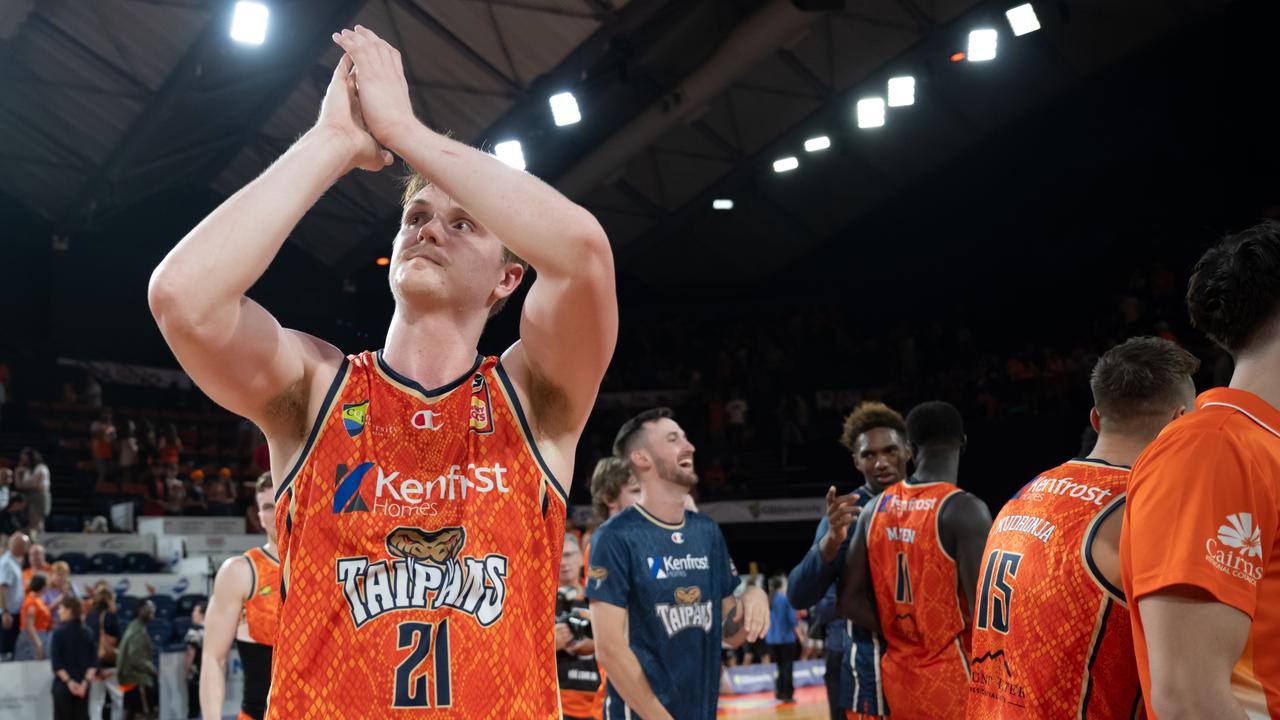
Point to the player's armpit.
(1193, 644)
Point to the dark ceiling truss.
(46, 135)
(820, 86)
(201, 159)
(591, 11)
(127, 80)
(179, 81)
(742, 171)
(30, 74)
(438, 28)
(502, 42)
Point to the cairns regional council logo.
(427, 571)
(1238, 541)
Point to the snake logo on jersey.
(686, 612)
(429, 573)
(416, 564)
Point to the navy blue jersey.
(861, 679)
(671, 579)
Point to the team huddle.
(417, 513)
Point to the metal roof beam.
(455, 42)
(55, 31)
(144, 128)
(340, 13)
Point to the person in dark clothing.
(782, 637)
(74, 658)
(195, 653)
(104, 626)
(137, 672)
(876, 437)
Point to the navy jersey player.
(660, 584)
(876, 435)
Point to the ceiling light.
(722, 204)
(382, 261)
(1023, 19)
(564, 109)
(902, 91)
(785, 164)
(814, 144)
(510, 153)
(249, 23)
(871, 112)
(982, 45)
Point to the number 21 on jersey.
(411, 686)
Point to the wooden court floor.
(811, 704)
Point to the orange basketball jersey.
(1051, 637)
(917, 593)
(262, 607)
(420, 541)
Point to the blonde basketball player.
(421, 488)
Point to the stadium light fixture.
(902, 91)
(982, 45)
(814, 144)
(1023, 19)
(249, 23)
(510, 153)
(871, 112)
(564, 109)
(785, 164)
(722, 204)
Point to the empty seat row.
(109, 563)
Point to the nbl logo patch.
(354, 416)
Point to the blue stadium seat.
(136, 562)
(106, 562)
(78, 562)
(160, 630)
(180, 627)
(127, 604)
(186, 602)
(166, 606)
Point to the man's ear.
(512, 275)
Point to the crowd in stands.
(762, 396)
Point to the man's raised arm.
(570, 321)
(234, 349)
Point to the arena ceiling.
(107, 103)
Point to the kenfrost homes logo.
(665, 566)
(397, 496)
(1237, 541)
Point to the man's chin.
(686, 479)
